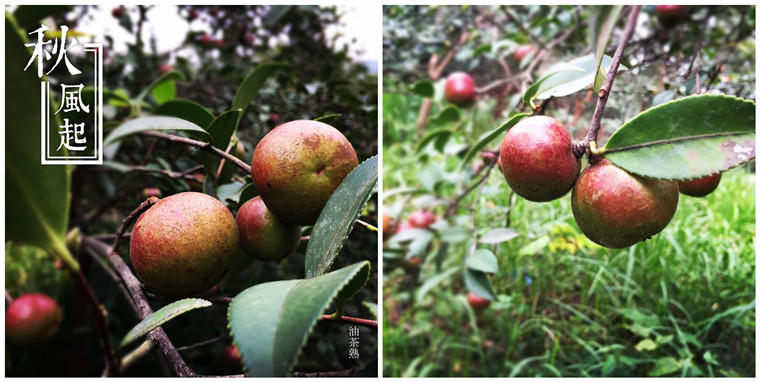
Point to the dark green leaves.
(187, 110)
(603, 20)
(39, 212)
(270, 322)
(143, 124)
(687, 138)
(221, 130)
(253, 83)
(339, 216)
(159, 82)
(162, 316)
(424, 88)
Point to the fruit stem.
(369, 226)
(604, 91)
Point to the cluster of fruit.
(612, 207)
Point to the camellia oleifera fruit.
(699, 187)
(183, 244)
(298, 165)
(263, 235)
(537, 160)
(670, 15)
(32, 318)
(522, 51)
(421, 219)
(477, 302)
(459, 89)
(617, 209)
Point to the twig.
(596, 122)
(454, 203)
(171, 174)
(351, 320)
(135, 355)
(354, 371)
(222, 162)
(522, 28)
(369, 226)
(192, 169)
(202, 145)
(113, 276)
(100, 319)
(199, 344)
(127, 221)
(698, 53)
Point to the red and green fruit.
(699, 187)
(262, 235)
(459, 89)
(184, 244)
(522, 51)
(32, 318)
(537, 160)
(298, 165)
(421, 219)
(477, 302)
(617, 209)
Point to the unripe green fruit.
(477, 302)
(263, 235)
(616, 209)
(537, 160)
(699, 187)
(32, 318)
(298, 165)
(184, 244)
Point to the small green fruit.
(184, 244)
(263, 235)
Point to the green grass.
(679, 304)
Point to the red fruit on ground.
(421, 219)
(477, 302)
(523, 51)
(617, 209)
(699, 187)
(184, 244)
(459, 89)
(537, 159)
(298, 165)
(32, 318)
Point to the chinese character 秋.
(40, 53)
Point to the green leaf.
(687, 138)
(30, 16)
(39, 212)
(603, 20)
(162, 316)
(432, 135)
(424, 88)
(449, 114)
(665, 366)
(275, 14)
(338, 217)
(489, 136)
(483, 260)
(139, 125)
(454, 234)
(430, 283)
(372, 307)
(270, 322)
(567, 78)
(478, 282)
(483, 49)
(164, 92)
(498, 235)
(327, 118)
(646, 344)
(166, 77)
(253, 82)
(221, 130)
(187, 110)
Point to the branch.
(596, 122)
(202, 145)
(169, 173)
(199, 344)
(354, 371)
(522, 28)
(350, 320)
(114, 277)
(100, 318)
(454, 203)
(369, 226)
(127, 221)
(698, 53)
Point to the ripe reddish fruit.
(274, 117)
(231, 355)
(460, 89)
(148, 192)
(699, 187)
(523, 51)
(219, 43)
(421, 219)
(118, 11)
(477, 302)
(537, 159)
(208, 39)
(405, 225)
(616, 209)
(32, 318)
(165, 68)
(183, 244)
(672, 14)
(387, 224)
(263, 235)
(298, 165)
(249, 39)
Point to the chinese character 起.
(71, 132)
